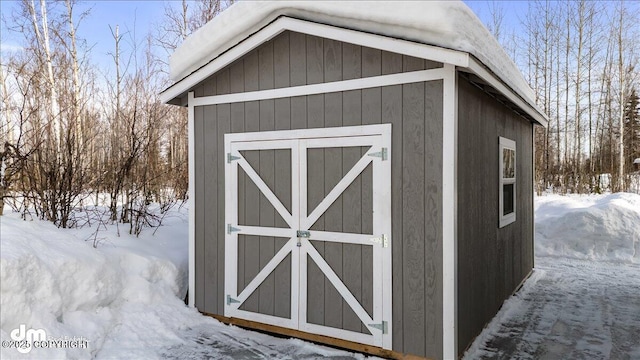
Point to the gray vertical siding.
(491, 261)
(292, 59)
(415, 112)
(433, 218)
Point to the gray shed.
(361, 173)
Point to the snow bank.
(448, 24)
(598, 227)
(123, 299)
(125, 294)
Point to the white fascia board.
(221, 61)
(410, 48)
(322, 88)
(450, 215)
(380, 42)
(531, 109)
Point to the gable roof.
(446, 24)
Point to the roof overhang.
(177, 93)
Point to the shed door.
(308, 240)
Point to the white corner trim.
(449, 214)
(531, 109)
(322, 88)
(192, 203)
(533, 186)
(410, 48)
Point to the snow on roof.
(636, 161)
(448, 24)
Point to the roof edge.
(530, 107)
(287, 23)
(461, 59)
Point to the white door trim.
(299, 141)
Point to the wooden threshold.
(321, 339)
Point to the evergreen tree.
(632, 128)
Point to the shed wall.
(491, 261)
(414, 110)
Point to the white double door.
(297, 231)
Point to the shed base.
(321, 339)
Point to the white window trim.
(509, 218)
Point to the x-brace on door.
(308, 230)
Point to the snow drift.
(124, 298)
(53, 279)
(597, 227)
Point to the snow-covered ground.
(583, 298)
(568, 309)
(123, 299)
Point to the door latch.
(302, 234)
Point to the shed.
(361, 173)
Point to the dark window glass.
(507, 200)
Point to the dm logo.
(25, 338)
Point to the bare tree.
(60, 144)
(580, 57)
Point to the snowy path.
(569, 309)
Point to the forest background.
(80, 131)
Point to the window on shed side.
(507, 190)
